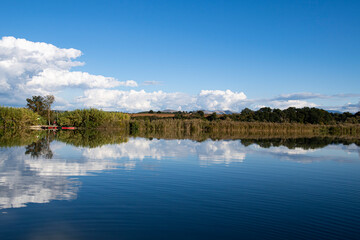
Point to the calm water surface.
(180, 189)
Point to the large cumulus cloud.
(28, 68)
(141, 100)
(134, 100)
(53, 79)
(221, 100)
(36, 68)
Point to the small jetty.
(51, 127)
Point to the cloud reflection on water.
(20, 184)
(211, 152)
(27, 179)
(208, 152)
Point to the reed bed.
(198, 127)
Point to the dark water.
(180, 189)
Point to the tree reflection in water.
(39, 177)
(41, 148)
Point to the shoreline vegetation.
(217, 129)
(97, 138)
(263, 122)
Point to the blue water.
(180, 189)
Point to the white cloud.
(299, 96)
(290, 103)
(36, 68)
(135, 100)
(53, 79)
(159, 100)
(20, 59)
(28, 68)
(350, 107)
(310, 95)
(221, 100)
(151, 83)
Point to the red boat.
(67, 128)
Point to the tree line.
(296, 115)
(304, 115)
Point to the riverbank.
(191, 127)
(219, 128)
(94, 138)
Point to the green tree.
(212, 117)
(41, 105)
(246, 115)
(198, 114)
(36, 104)
(48, 101)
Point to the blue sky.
(187, 54)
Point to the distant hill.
(169, 111)
(218, 112)
(333, 111)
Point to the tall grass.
(198, 127)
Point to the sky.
(184, 55)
